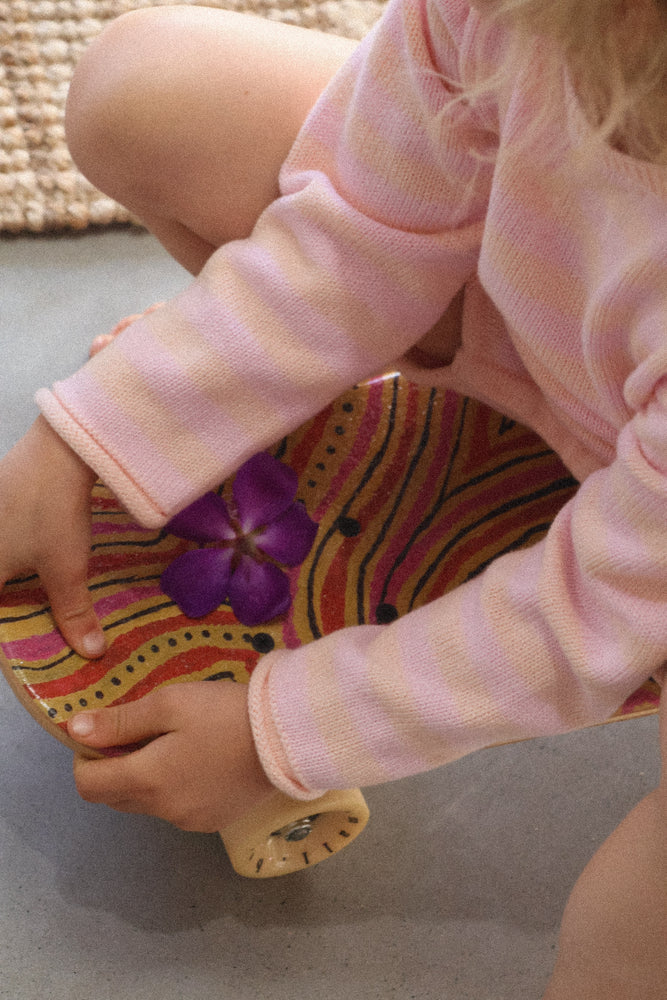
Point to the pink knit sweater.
(393, 198)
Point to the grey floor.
(454, 891)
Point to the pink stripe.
(289, 697)
(125, 598)
(382, 733)
(211, 311)
(116, 528)
(37, 647)
(372, 416)
(260, 275)
(442, 426)
(51, 644)
(291, 389)
(401, 310)
(184, 392)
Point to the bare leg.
(185, 115)
(613, 943)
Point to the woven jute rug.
(40, 44)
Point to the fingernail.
(81, 725)
(93, 644)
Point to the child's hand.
(200, 771)
(45, 527)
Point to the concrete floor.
(454, 891)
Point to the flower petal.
(258, 591)
(198, 581)
(205, 520)
(290, 537)
(263, 489)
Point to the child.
(480, 192)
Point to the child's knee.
(107, 102)
(615, 922)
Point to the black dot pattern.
(386, 613)
(261, 642)
(348, 526)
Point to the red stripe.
(125, 647)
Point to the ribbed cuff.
(267, 736)
(138, 504)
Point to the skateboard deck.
(413, 490)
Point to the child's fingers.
(132, 782)
(121, 725)
(196, 766)
(72, 606)
(122, 782)
(117, 783)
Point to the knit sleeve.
(378, 225)
(545, 640)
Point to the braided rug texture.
(40, 43)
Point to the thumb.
(129, 726)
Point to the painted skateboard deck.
(413, 490)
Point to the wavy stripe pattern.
(415, 491)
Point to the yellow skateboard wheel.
(283, 835)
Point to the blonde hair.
(616, 55)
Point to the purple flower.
(243, 546)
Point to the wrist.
(258, 779)
(49, 442)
